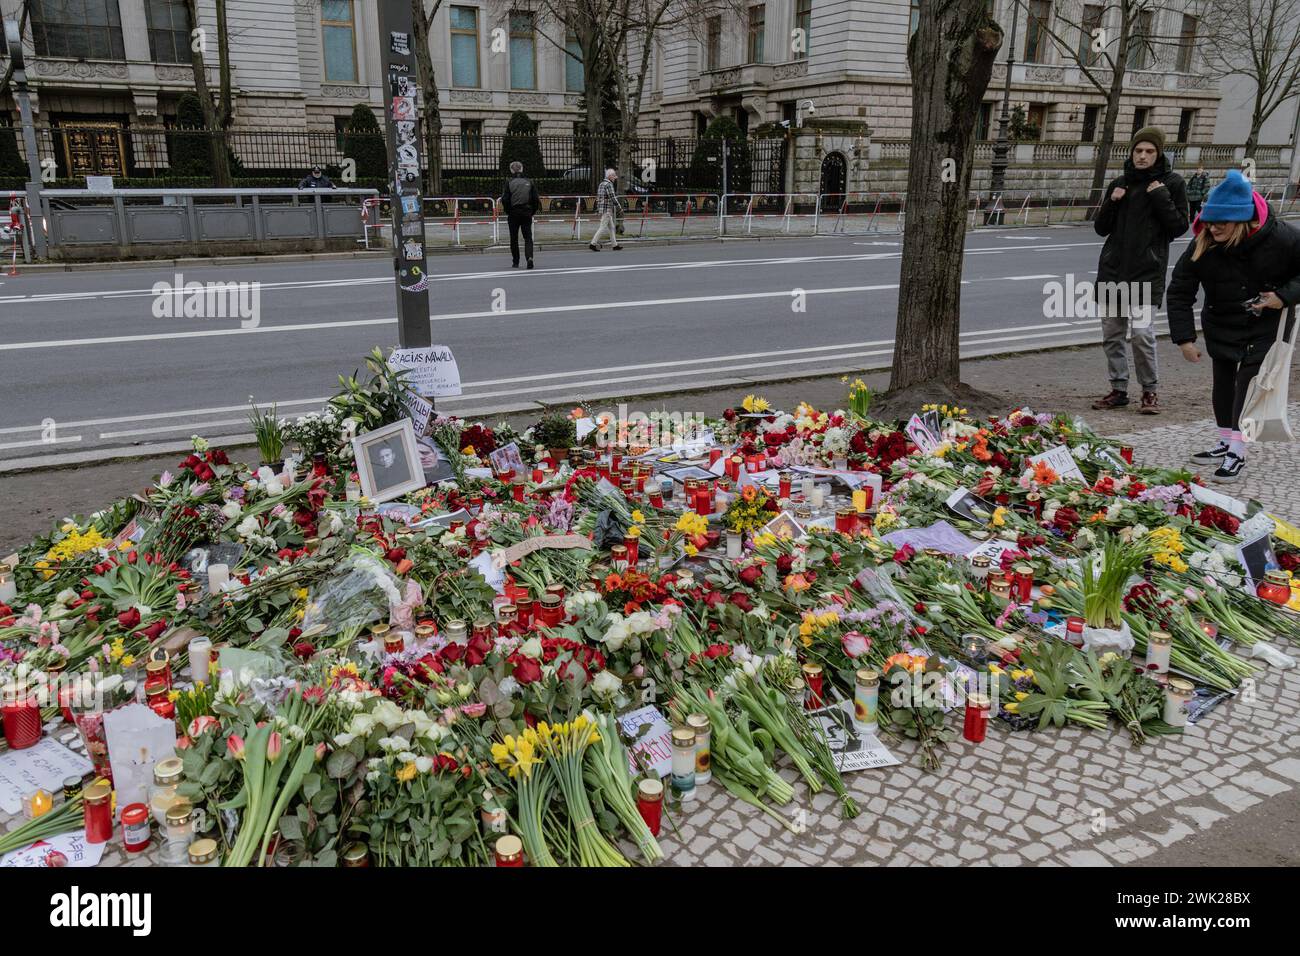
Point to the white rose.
(531, 648)
(423, 764)
(605, 684)
(230, 509)
(248, 527)
(342, 740)
(389, 714)
(274, 487)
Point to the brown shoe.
(1150, 404)
(1112, 399)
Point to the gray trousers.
(608, 224)
(1114, 329)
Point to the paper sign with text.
(69, 849)
(44, 765)
(852, 748)
(655, 744)
(1061, 461)
(433, 371)
(418, 409)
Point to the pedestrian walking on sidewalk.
(316, 179)
(1142, 212)
(608, 205)
(520, 201)
(1198, 187)
(1247, 261)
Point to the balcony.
(736, 79)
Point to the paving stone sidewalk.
(1060, 797)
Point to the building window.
(913, 16)
(1036, 37)
(1140, 115)
(85, 29)
(712, 43)
(757, 32)
(1088, 27)
(338, 37)
(701, 124)
(573, 76)
(803, 21)
(1038, 118)
(523, 62)
(471, 136)
(1139, 42)
(984, 125)
(464, 46)
(1090, 116)
(1185, 121)
(169, 30)
(1186, 44)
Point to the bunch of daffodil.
(764, 539)
(694, 527)
(524, 760)
(567, 745)
(77, 543)
(1168, 542)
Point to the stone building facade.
(304, 64)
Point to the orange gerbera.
(749, 492)
(613, 582)
(1044, 473)
(912, 663)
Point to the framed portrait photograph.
(388, 461)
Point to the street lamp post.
(1001, 147)
(401, 87)
(14, 41)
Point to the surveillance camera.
(784, 124)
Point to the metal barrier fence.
(128, 219)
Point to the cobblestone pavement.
(1059, 797)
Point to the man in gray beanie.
(1142, 212)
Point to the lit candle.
(218, 575)
(1178, 694)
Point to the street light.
(14, 41)
(1001, 147)
(803, 106)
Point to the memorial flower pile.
(408, 682)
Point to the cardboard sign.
(418, 409)
(1060, 460)
(45, 765)
(433, 370)
(655, 743)
(507, 458)
(851, 747)
(1208, 496)
(529, 545)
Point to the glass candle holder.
(683, 762)
(975, 724)
(866, 697)
(812, 675)
(703, 739)
(1159, 647)
(1178, 694)
(650, 804)
(509, 851)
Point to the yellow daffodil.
(1012, 708)
(1021, 695)
(407, 773)
(692, 551)
(764, 540)
(637, 516)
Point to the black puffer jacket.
(1267, 261)
(1140, 227)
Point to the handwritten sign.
(45, 766)
(72, 848)
(1061, 461)
(418, 409)
(433, 371)
(655, 743)
(526, 547)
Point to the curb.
(740, 382)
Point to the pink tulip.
(274, 744)
(235, 744)
(855, 644)
(321, 750)
(200, 724)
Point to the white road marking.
(40, 441)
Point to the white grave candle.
(218, 575)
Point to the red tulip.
(201, 724)
(274, 746)
(235, 745)
(129, 618)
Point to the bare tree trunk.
(1114, 94)
(212, 118)
(951, 59)
(429, 91)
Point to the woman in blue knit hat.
(1247, 261)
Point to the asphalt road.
(87, 366)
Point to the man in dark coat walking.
(520, 201)
(1142, 213)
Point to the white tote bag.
(1263, 415)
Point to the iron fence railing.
(469, 163)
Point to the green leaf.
(339, 764)
(311, 785)
(210, 774)
(323, 801)
(290, 828)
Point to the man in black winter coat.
(1142, 212)
(520, 201)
